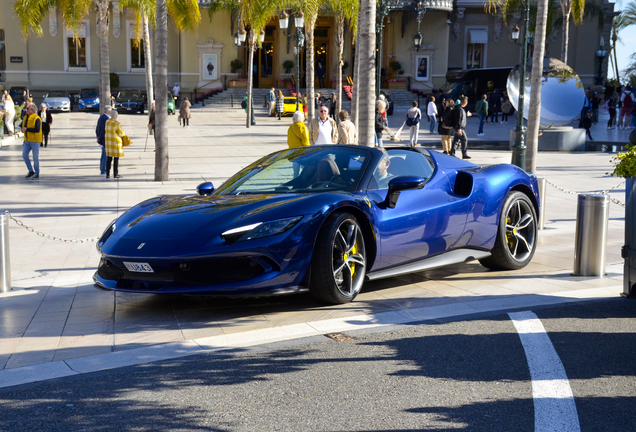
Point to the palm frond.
(30, 13)
(185, 13)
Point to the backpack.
(448, 118)
(627, 102)
(244, 104)
(412, 121)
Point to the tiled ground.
(55, 313)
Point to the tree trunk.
(535, 87)
(565, 37)
(614, 39)
(339, 48)
(366, 101)
(104, 59)
(310, 91)
(148, 58)
(356, 82)
(250, 77)
(161, 101)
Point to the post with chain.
(542, 199)
(5, 262)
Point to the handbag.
(125, 141)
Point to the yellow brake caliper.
(509, 236)
(354, 251)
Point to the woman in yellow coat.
(298, 134)
(114, 147)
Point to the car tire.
(142, 111)
(516, 234)
(338, 265)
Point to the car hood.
(56, 99)
(89, 99)
(198, 217)
(130, 99)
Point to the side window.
(398, 163)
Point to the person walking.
(445, 126)
(47, 120)
(280, 104)
(151, 119)
(9, 113)
(114, 146)
(587, 106)
(627, 99)
(459, 127)
(610, 105)
(323, 130)
(506, 107)
(100, 132)
(380, 125)
(431, 111)
(320, 74)
(332, 106)
(347, 133)
(587, 124)
(481, 107)
(175, 92)
(184, 112)
(298, 134)
(32, 129)
(495, 102)
(413, 118)
(271, 98)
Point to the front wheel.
(339, 262)
(516, 235)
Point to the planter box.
(397, 85)
(238, 84)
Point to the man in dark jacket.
(100, 131)
(459, 126)
(495, 106)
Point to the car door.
(425, 222)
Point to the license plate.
(129, 109)
(138, 267)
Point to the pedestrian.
(100, 132)
(413, 118)
(184, 112)
(9, 113)
(114, 146)
(459, 127)
(323, 130)
(431, 111)
(609, 90)
(298, 134)
(32, 129)
(380, 125)
(280, 104)
(47, 120)
(175, 92)
(271, 98)
(304, 101)
(587, 124)
(347, 133)
(446, 126)
(495, 106)
(587, 106)
(610, 106)
(320, 74)
(506, 108)
(151, 119)
(627, 100)
(332, 106)
(481, 107)
(595, 103)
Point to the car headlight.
(260, 229)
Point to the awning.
(477, 36)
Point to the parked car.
(130, 100)
(290, 106)
(171, 104)
(88, 100)
(323, 219)
(16, 94)
(58, 100)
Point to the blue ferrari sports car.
(324, 219)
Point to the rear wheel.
(339, 261)
(516, 235)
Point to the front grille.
(212, 271)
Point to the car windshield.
(128, 94)
(54, 94)
(88, 94)
(303, 170)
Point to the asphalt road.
(464, 375)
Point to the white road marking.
(554, 406)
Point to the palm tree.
(344, 10)
(576, 8)
(311, 14)
(625, 19)
(366, 79)
(31, 14)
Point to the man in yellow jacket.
(32, 129)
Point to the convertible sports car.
(290, 106)
(323, 219)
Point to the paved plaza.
(56, 323)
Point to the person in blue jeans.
(32, 129)
(481, 107)
(100, 132)
(431, 111)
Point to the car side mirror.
(402, 183)
(205, 188)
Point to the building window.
(137, 59)
(474, 56)
(76, 52)
(475, 47)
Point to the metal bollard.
(542, 197)
(5, 262)
(592, 215)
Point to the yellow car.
(290, 106)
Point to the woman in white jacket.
(431, 111)
(9, 113)
(413, 117)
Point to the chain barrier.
(47, 236)
(615, 201)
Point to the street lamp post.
(600, 55)
(299, 37)
(519, 146)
